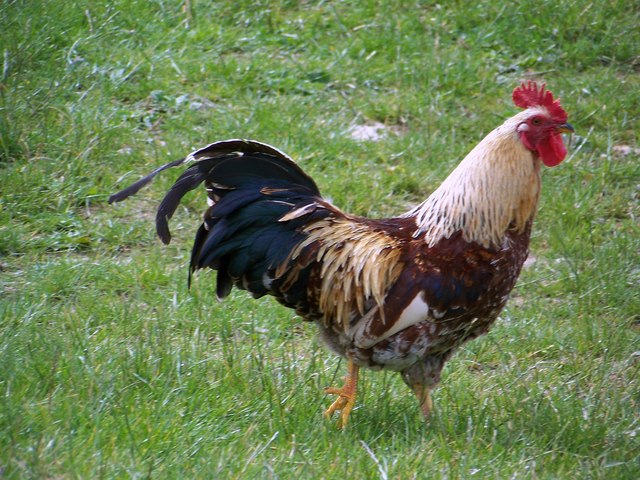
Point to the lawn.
(110, 367)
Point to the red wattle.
(552, 150)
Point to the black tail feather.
(264, 161)
(252, 186)
(194, 176)
(135, 188)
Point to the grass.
(112, 368)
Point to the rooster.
(399, 293)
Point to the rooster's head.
(540, 130)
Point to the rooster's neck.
(494, 189)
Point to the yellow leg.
(346, 395)
(424, 398)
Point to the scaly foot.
(346, 396)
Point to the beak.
(565, 128)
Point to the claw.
(346, 396)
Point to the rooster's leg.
(424, 397)
(346, 395)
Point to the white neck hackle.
(494, 188)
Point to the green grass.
(110, 367)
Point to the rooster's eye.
(536, 121)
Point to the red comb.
(529, 95)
